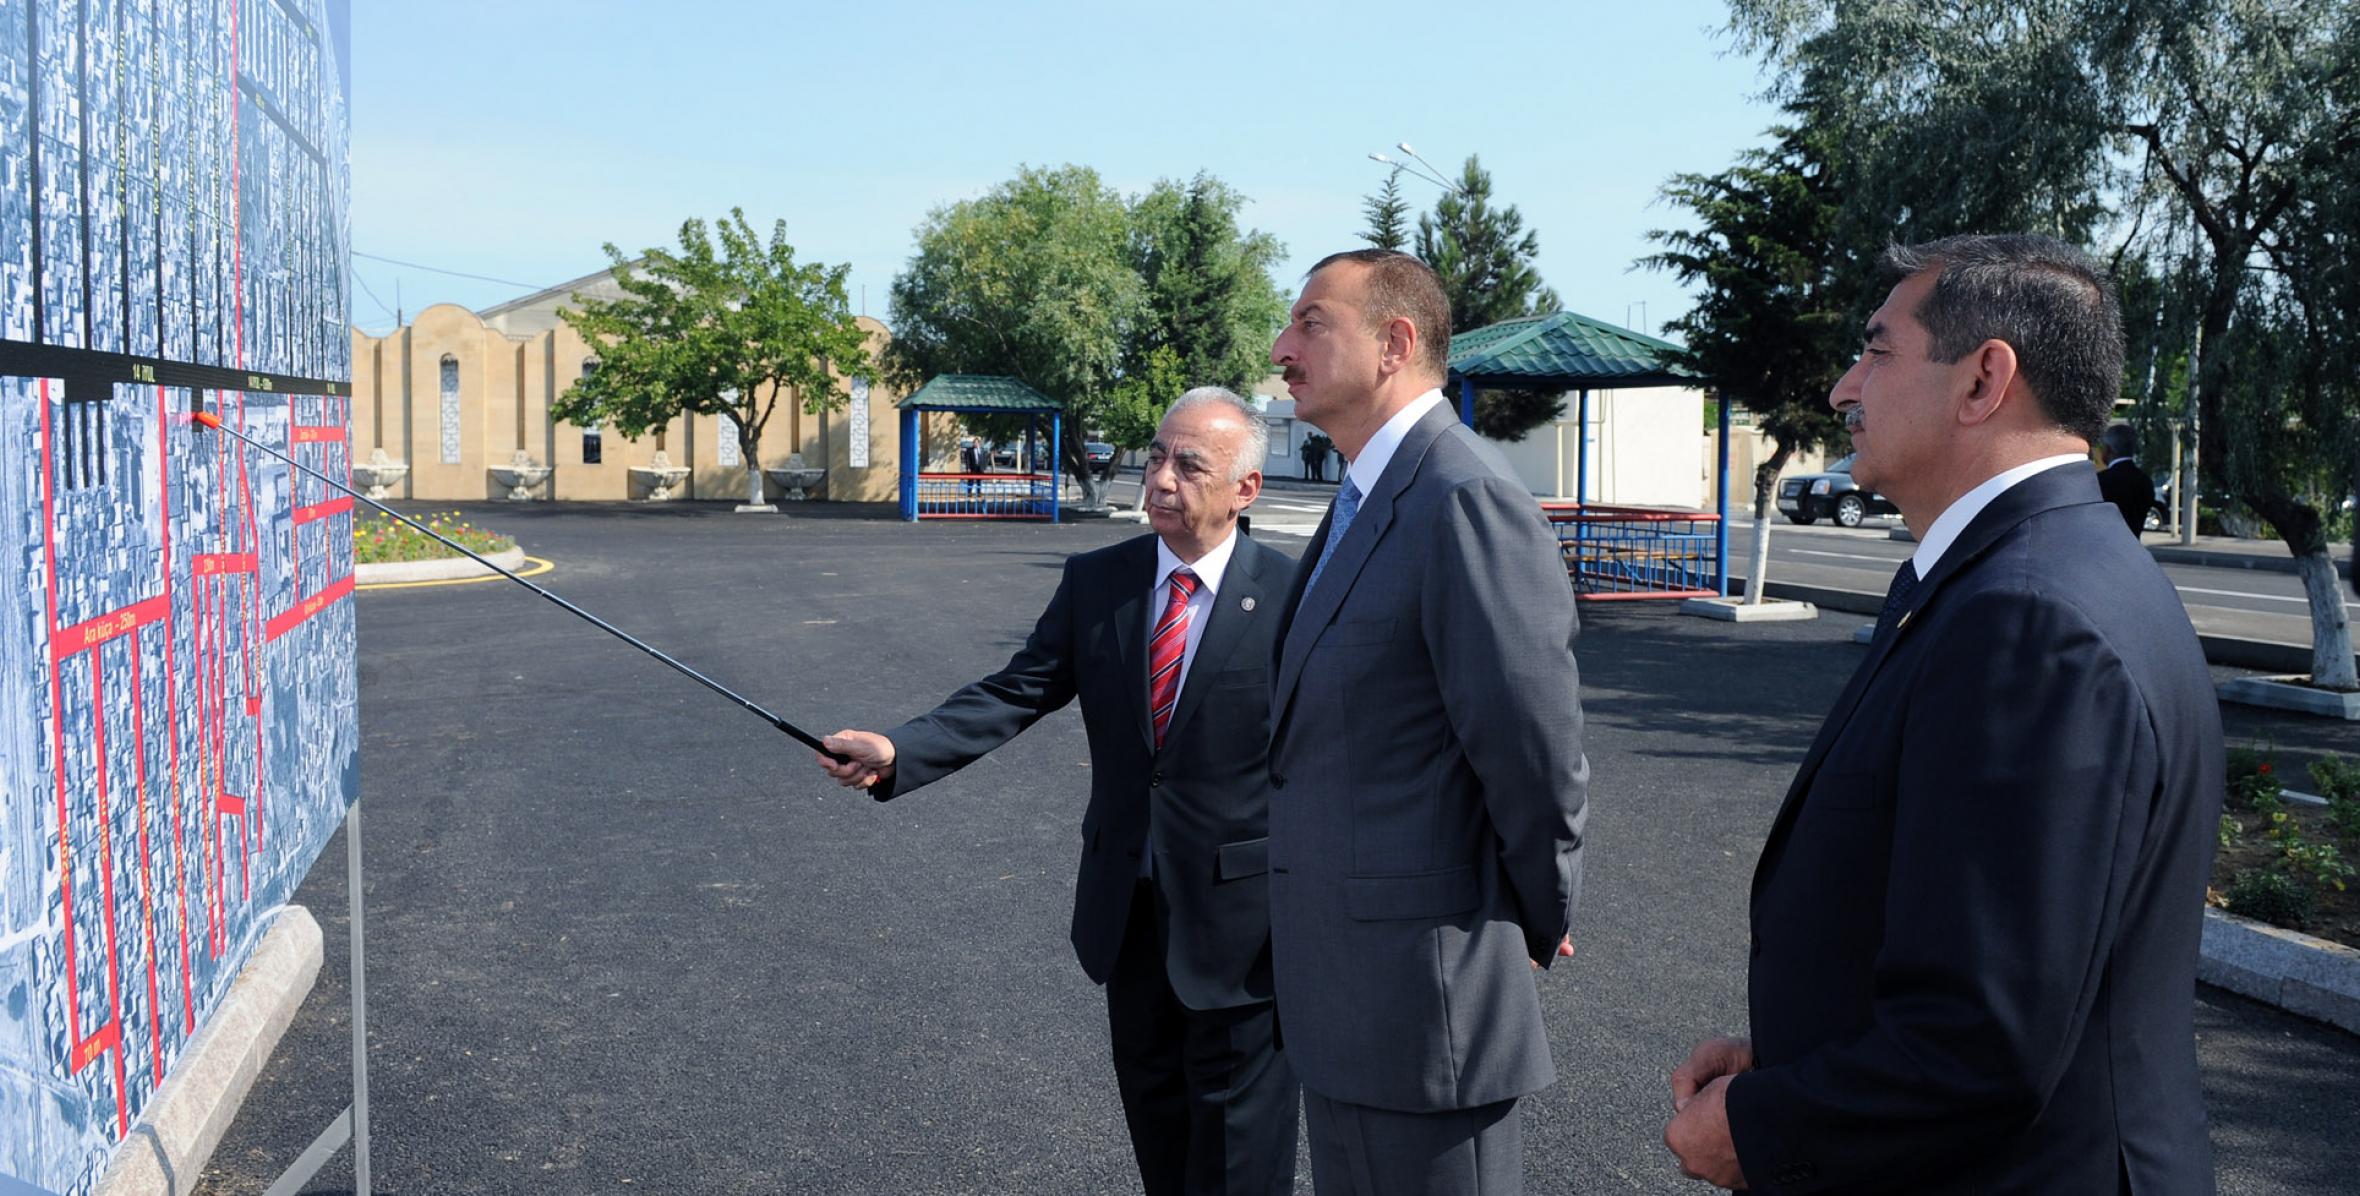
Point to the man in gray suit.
(1426, 764)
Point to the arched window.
(450, 409)
(593, 438)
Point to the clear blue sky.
(512, 139)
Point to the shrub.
(2336, 777)
(2269, 895)
(2253, 781)
(2343, 817)
(378, 539)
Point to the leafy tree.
(1772, 326)
(1055, 279)
(1208, 294)
(715, 330)
(1484, 254)
(1032, 280)
(1511, 415)
(1136, 408)
(1388, 215)
(2217, 131)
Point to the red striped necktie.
(1165, 652)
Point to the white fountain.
(520, 475)
(796, 478)
(380, 474)
(659, 476)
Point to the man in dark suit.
(1975, 920)
(1426, 829)
(1166, 639)
(2122, 481)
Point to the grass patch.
(379, 540)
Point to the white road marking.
(1849, 556)
(2243, 594)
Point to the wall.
(507, 384)
(178, 729)
(1643, 450)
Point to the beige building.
(456, 395)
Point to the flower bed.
(378, 540)
(2291, 864)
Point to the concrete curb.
(442, 569)
(2259, 562)
(2268, 656)
(1734, 610)
(2288, 693)
(2286, 968)
(167, 1150)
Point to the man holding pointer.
(1166, 639)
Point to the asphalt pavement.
(625, 937)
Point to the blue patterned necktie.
(1905, 580)
(1347, 505)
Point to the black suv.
(1811, 497)
(1100, 455)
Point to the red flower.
(2264, 769)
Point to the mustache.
(1852, 420)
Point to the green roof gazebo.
(961, 495)
(1564, 350)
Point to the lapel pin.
(1246, 603)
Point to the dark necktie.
(1905, 580)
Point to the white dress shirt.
(1366, 468)
(1950, 523)
(1208, 569)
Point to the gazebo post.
(910, 423)
(1466, 400)
(1056, 461)
(1721, 530)
(1581, 455)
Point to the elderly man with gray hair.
(1166, 639)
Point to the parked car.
(1808, 498)
(1100, 455)
(1004, 456)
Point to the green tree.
(1772, 326)
(1136, 408)
(1388, 215)
(2215, 131)
(716, 331)
(1206, 285)
(1032, 280)
(1483, 254)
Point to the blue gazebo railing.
(1627, 553)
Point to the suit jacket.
(2129, 488)
(1975, 920)
(1207, 791)
(1426, 829)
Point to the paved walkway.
(625, 938)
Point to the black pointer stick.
(213, 421)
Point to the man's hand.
(1699, 1134)
(1712, 1059)
(868, 758)
(1564, 951)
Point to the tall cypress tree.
(1484, 254)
